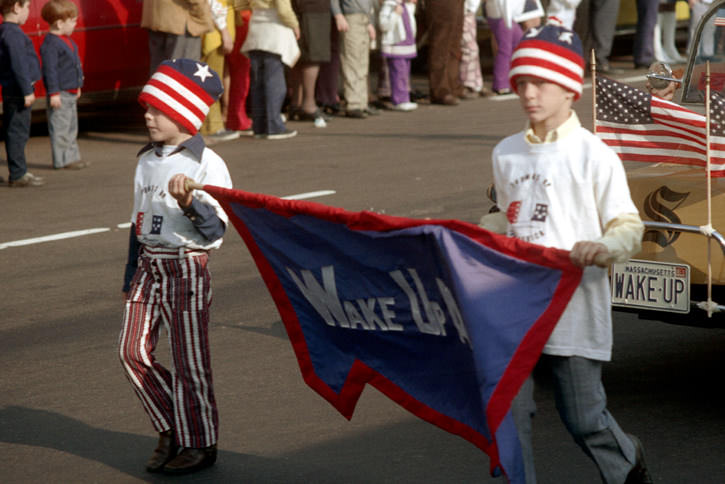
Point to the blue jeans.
(16, 130)
(643, 48)
(266, 92)
(582, 406)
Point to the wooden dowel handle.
(190, 184)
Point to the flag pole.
(190, 184)
(709, 191)
(593, 67)
(600, 260)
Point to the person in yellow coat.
(215, 45)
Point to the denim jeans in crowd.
(266, 92)
(16, 130)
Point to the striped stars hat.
(184, 90)
(551, 52)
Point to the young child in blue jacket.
(19, 71)
(63, 78)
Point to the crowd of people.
(308, 60)
(311, 60)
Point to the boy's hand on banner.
(588, 253)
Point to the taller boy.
(19, 71)
(558, 185)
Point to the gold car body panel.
(678, 195)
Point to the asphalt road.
(67, 413)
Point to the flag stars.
(202, 72)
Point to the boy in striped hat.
(558, 185)
(167, 281)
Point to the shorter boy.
(63, 78)
(560, 186)
(19, 71)
(167, 280)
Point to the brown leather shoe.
(163, 453)
(447, 100)
(469, 94)
(191, 460)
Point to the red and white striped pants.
(173, 288)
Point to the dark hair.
(56, 10)
(7, 5)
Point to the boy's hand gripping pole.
(603, 260)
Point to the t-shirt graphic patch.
(512, 212)
(540, 212)
(139, 223)
(156, 222)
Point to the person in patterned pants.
(167, 281)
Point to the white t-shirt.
(556, 194)
(159, 219)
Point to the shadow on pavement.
(383, 455)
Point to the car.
(112, 46)
(668, 279)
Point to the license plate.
(651, 285)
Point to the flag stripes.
(645, 128)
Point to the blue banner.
(443, 317)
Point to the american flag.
(641, 127)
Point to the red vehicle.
(112, 46)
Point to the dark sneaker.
(355, 113)
(332, 109)
(605, 68)
(287, 133)
(27, 180)
(639, 473)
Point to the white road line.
(303, 196)
(50, 238)
(81, 233)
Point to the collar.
(555, 134)
(195, 145)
